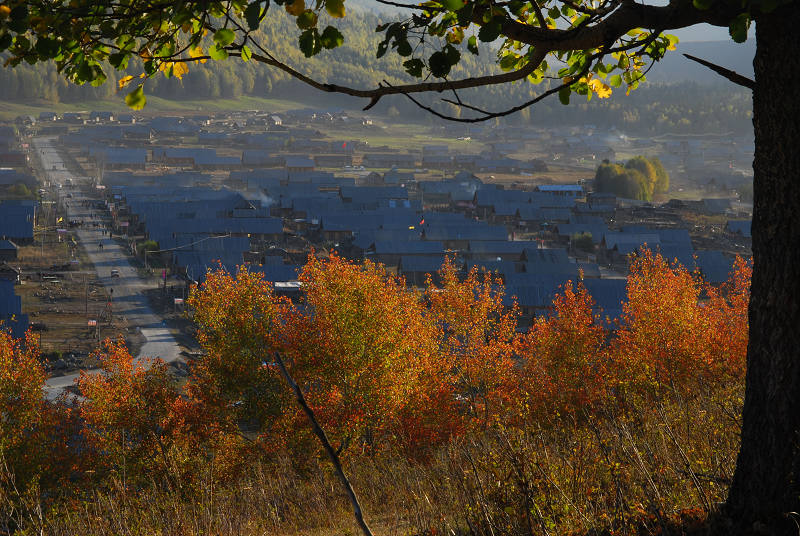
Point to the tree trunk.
(766, 485)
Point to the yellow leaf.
(601, 89)
(335, 8)
(179, 69)
(296, 7)
(124, 81)
(197, 52)
(455, 36)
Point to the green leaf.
(563, 95)
(508, 62)
(472, 45)
(99, 78)
(453, 5)
(331, 38)
(703, 4)
(452, 53)
(19, 18)
(252, 14)
(246, 53)
(404, 47)
(136, 99)
(464, 14)
(307, 19)
(217, 52)
(439, 64)
(414, 67)
(739, 27)
(5, 41)
(47, 48)
(224, 37)
(615, 81)
(309, 42)
(491, 30)
(118, 61)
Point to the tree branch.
(323, 438)
(733, 76)
(423, 87)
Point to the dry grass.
(661, 470)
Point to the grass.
(655, 471)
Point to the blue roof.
(277, 272)
(421, 264)
(741, 227)
(629, 242)
(408, 247)
(373, 193)
(575, 188)
(500, 247)
(608, 295)
(543, 214)
(465, 232)
(714, 266)
(546, 255)
(501, 267)
(16, 221)
(666, 236)
(549, 200)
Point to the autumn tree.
(129, 411)
(23, 410)
(236, 315)
(572, 47)
(565, 367)
(479, 336)
(673, 336)
(360, 346)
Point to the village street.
(127, 290)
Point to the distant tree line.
(640, 178)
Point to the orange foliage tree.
(676, 332)
(478, 339)
(236, 316)
(23, 409)
(565, 356)
(129, 411)
(362, 349)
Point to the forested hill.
(653, 108)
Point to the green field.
(155, 105)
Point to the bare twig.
(733, 76)
(323, 438)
